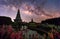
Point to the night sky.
(37, 9)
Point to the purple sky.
(37, 9)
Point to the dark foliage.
(5, 20)
(55, 21)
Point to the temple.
(18, 20)
(18, 17)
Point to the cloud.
(27, 12)
(36, 9)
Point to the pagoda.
(18, 20)
(18, 17)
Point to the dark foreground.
(10, 33)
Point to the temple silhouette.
(18, 23)
(18, 17)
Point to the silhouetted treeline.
(55, 21)
(5, 20)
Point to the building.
(32, 23)
(18, 20)
(18, 17)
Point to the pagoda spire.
(32, 20)
(18, 14)
(18, 17)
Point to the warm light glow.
(14, 8)
(27, 12)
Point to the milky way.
(37, 9)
